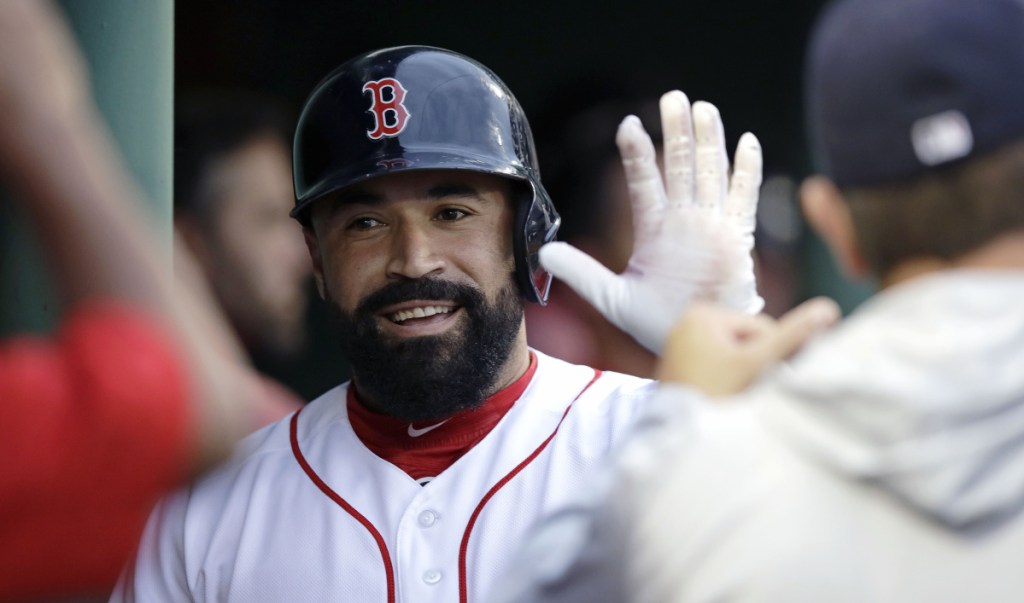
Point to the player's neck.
(1003, 253)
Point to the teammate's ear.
(313, 245)
(829, 215)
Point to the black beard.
(432, 376)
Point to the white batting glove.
(694, 233)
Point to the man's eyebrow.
(453, 189)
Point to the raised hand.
(693, 229)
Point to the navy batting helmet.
(423, 108)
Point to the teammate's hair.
(210, 124)
(944, 214)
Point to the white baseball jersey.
(308, 513)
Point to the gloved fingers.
(590, 279)
(643, 178)
(745, 183)
(712, 163)
(677, 131)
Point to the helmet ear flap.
(536, 224)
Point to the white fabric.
(261, 530)
(885, 464)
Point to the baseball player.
(416, 183)
(885, 463)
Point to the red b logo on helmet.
(389, 113)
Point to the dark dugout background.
(744, 56)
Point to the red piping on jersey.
(388, 570)
(464, 548)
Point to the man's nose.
(413, 253)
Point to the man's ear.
(313, 245)
(828, 214)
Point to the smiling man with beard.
(417, 186)
(416, 279)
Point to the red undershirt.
(425, 449)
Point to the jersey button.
(432, 576)
(427, 518)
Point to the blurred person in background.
(584, 174)
(142, 385)
(232, 195)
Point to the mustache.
(421, 288)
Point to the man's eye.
(364, 223)
(451, 214)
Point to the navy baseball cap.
(897, 87)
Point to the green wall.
(129, 47)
